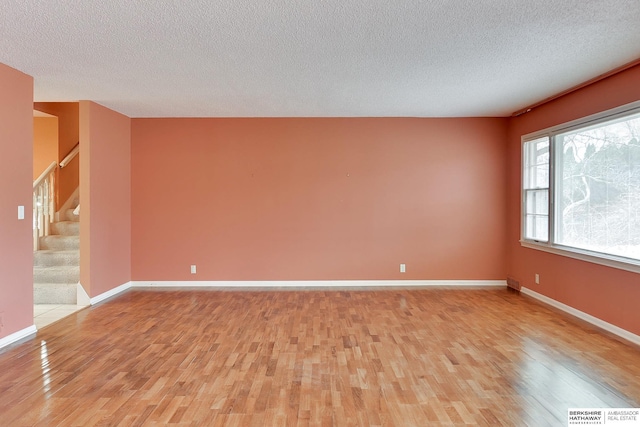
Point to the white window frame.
(614, 261)
(528, 188)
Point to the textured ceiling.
(305, 58)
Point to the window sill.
(583, 255)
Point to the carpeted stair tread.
(60, 242)
(56, 266)
(64, 274)
(52, 258)
(55, 293)
(66, 228)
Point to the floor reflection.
(46, 368)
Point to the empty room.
(319, 213)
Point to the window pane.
(536, 189)
(529, 227)
(537, 202)
(542, 228)
(542, 175)
(599, 188)
(536, 154)
(537, 227)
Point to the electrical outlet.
(403, 268)
(537, 279)
(193, 269)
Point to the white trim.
(275, 284)
(110, 293)
(622, 333)
(82, 298)
(17, 336)
(583, 255)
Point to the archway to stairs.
(56, 269)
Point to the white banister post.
(36, 236)
(43, 204)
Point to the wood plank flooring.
(393, 357)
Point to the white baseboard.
(111, 293)
(17, 336)
(277, 284)
(622, 333)
(82, 298)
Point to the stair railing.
(43, 204)
(74, 152)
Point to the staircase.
(56, 265)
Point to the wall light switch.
(20, 212)
(403, 268)
(193, 269)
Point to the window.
(581, 188)
(536, 189)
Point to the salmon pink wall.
(105, 199)
(606, 293)
(68, 137)
(16, 243)
(318, 199)
(45, 143)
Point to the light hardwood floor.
(393, 357)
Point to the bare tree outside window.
(598, 188)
